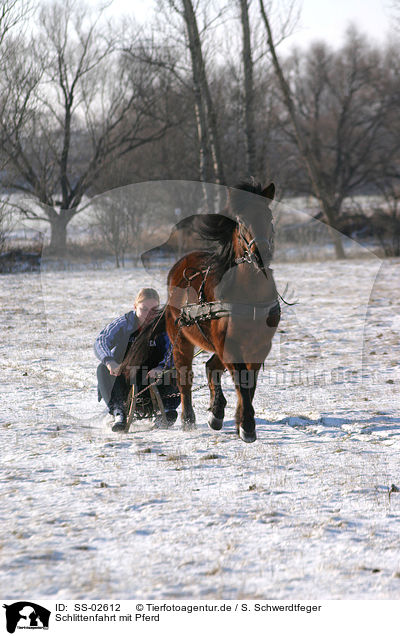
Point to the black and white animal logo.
(26, 615)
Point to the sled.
(139, 408)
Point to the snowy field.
(306, 512)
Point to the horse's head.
(253, 240)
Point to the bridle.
(248, 256)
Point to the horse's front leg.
(245, 384)
(214, 370)
(253, 370)
(183, 356)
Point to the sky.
(328, 19)
(319, 19)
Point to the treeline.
(198, 93)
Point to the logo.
(26, 615)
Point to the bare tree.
(253, 56)
(12, 14)
(123, 216)
(202, 89)
(211, 163)
(394, 7)
(77, 106)
(301, 138)
(113, 223)
(13, 17)
(248, 69)
(337, 105)
(386, 219)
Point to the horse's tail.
(138, 353)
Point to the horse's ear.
(269, 191)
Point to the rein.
(204, 273)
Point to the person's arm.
(110, 342)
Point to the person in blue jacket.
(110, 348)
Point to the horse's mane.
(247, 186)
(218, 228)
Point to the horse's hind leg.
(183, 356)
(214, 370)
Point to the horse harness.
(194, 313)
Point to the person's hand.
(113, 367)
(155, 374)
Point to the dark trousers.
(114, 390)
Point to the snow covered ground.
(305, 512)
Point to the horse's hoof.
(188, 425)
(215, 422)
(247, 437)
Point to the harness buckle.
(248, 257)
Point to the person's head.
(146, 303)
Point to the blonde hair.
(146, 293)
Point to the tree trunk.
(205, 112)
(248, 89)
(338, 244)
(58, 238)
(204, 154)
(330, 214)
(214, 136)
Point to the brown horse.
(224, 300)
